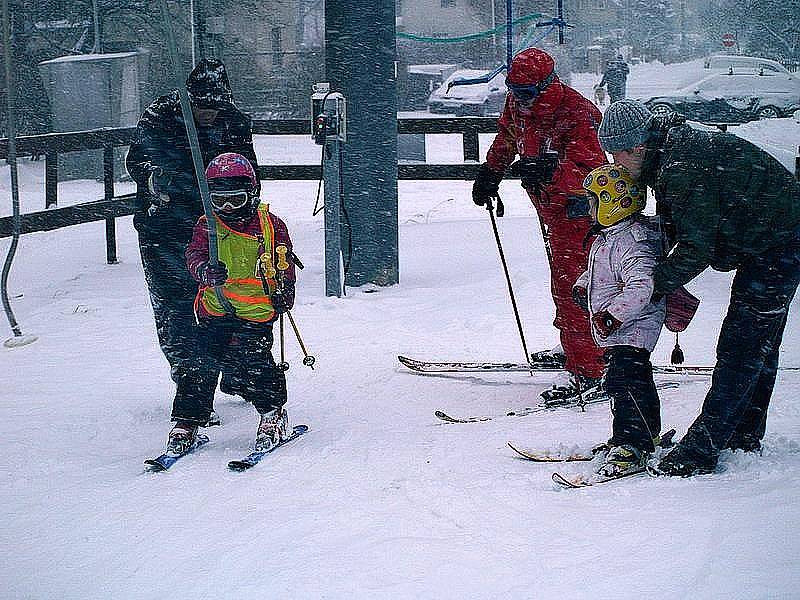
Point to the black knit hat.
(208, 84)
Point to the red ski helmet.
(233, 184)
(532, 66)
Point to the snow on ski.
(665, 440)
(582, 481)
(469, 367)
(252, 459)
(422, 366)
(166, 460)
(528, 410)
(590, 396)
(540, 456)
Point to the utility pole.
(359, 62)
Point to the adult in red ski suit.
(542, 117)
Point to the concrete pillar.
(360, 63)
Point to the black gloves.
(486, 185)
(281, 298)
(535, 171)
(157, 185)
(280, 303)
(212, 275)
(605, 323)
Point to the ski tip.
(151, 465)
(573, 483)
(238, 466)
(444, 416)
(298, 429)
(520, 453)
(409, 362)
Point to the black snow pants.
(734, 413)
(172, 292)
(634, 399)
(241, 348)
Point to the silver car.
(733, 97)
(477, 99)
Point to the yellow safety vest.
(244, 288)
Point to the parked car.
(732, 98)
(742, 64)
(477, 99)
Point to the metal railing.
(112, 206)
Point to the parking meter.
(329, 130)
(328, 115)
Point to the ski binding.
(166, 460)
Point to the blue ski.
(166, 460)
(252, 459)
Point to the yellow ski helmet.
(616, 193)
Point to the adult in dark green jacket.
(727, 205)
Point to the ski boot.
(549, 359)
(572, 388)
(621, 460)
(684, 462)
(745, 443)
(182, 437)
(272, 429)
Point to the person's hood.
(208, 85)
(530, 67)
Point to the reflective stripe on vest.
(243, 288)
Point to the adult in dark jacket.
(553, 130)
(615, 78)
(168, 205)
(729, 206)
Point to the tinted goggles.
(528, 92)
(229, 200)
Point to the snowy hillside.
(380, 499)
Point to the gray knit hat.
(625, 125)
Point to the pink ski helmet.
(233, 184)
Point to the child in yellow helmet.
(616, 290)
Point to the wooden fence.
(112, 206)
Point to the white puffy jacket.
(619, 279)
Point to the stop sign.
(728, 39)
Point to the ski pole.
(283, 365)
(308, 360)
(19, 338)
(490, 208)
(282, 266)
(197, 157)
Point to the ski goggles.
(528, 92)
(229, 200)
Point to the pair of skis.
(581, 480)
(166, 460)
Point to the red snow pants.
(568, 259)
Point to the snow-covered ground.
(379, 500)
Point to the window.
(277, 47)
